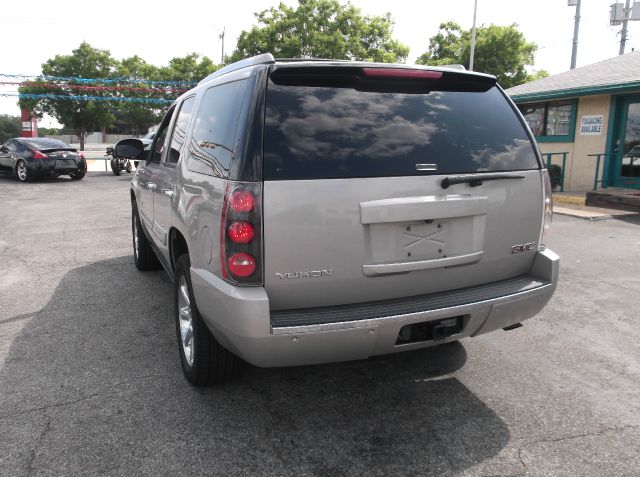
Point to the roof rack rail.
(254, 60)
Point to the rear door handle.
(374, 269)
(168, 192)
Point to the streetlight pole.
(576, 27)
(473, 35)
(222, 38)
(623, 32)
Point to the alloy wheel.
(22, 171)
(185, 319)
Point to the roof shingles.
(614, 71)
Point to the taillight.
(82, 157)
(241, 234)
(402, 73)
(39, 155)
(242, 201)
(242, 265)
(547, 205)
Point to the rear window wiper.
(475, 180)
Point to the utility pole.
(222, 38)
(473, 35)
(576, 27)
(623, 32)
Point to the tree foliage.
(85, 116)
(81, 116)
(187, 69)
(502, 51)
(321, 29)
(536, 75)
(191, 68)
(9, 127)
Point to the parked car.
(33, 158)
(317, 211)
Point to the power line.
(91, 88)
(87, 98)
(78, 79)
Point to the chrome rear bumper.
(241, 321)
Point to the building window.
(551, 121)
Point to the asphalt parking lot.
(90, 380)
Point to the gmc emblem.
(523, 247)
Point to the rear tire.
(114, 167)
(204, 361)
(143, 255)
(22, 171)
(128, 167)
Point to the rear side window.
(212, 142)
(180, 129)
(11, 147)
(314, 132)
(42, 144)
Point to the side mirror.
(3, 149)
(130, 149)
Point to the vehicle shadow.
(9, 178)
(94, 382)
(41, 180)
(630, 219)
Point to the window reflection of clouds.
(328, 127)
(508, 158)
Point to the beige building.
(590, 118)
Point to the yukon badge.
(523, 247)
(307, 274)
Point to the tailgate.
(367, 239)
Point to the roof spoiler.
(265, 58)
(453, 67)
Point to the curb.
(569, 199)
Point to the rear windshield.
(44, 143)
(314, 132)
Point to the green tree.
(321, 29)
(9, 127)
(190, 68)
(82, 116)
(502, 51)
(536, 75)
(140, 115)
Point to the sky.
(34, 31)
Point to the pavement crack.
(524, 464)
(619, 286)
(579, 436)
(49, 406)
(17, 318)
(34, 452)
(46, 407)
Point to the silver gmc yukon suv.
(315, 211)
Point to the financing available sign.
(591, 125)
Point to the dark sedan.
(32, 158)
